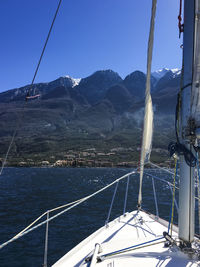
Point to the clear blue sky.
(88, 35)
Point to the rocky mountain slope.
(101, 112)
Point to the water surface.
(25, 193)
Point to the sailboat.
(139, 238)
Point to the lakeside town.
(91, 157)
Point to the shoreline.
(127, 166)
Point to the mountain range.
(101, 112)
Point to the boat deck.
(133, 229)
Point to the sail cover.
(146, 141)
(195, 101)
(147, 132)
(148, 116)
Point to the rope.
(170, 218)
(76, 203)
(148, 104)
(28, 93)
(175, 202)
(45, 213)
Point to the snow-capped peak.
(75, 81)
(160, 73)
(175, 70)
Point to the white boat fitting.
(133, 239)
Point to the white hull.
(126, 231)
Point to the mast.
(188, 132)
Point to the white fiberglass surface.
(134, 229)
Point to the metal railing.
(74, 204)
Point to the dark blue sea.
(25, 193)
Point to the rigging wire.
(47, 39)
(29, 90)
(161, 168)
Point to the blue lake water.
(25, 193)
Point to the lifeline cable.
(75, 203)
(72, 205)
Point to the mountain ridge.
(102, 111)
